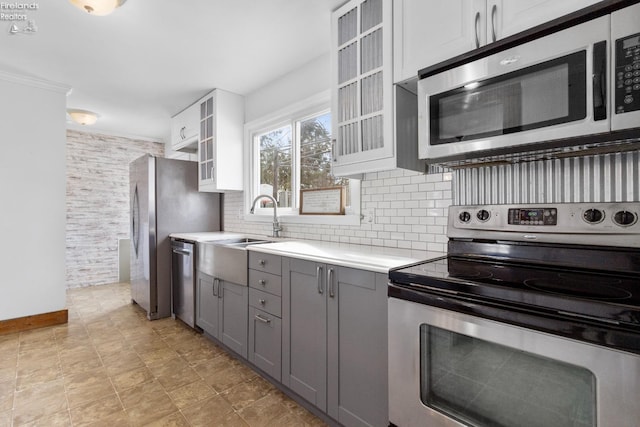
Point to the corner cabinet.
(220, 142)
(334, 340)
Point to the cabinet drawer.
(265, 282)
(265, 262)
(265, 301)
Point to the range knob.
(625, 218)
(483, 215)
(464, 216)
(593, 216)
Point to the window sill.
(305, 219)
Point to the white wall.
(300, 84)
(32, 196)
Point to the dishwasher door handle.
(179, 251)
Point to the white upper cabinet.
(430, 31)
(184, 129)
(362, 90)
(508, 17)
(221, 118)
(361, 53)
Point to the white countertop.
(372, 258)
(207, 236)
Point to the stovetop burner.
(573, 287)
(597, 294)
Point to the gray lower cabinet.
(304, 330)
(222, 310)
(357, 387)
(334, 340)
(265, 341)
(265, 311)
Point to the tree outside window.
(289, 162)
(275, 166)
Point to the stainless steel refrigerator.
(164, 199)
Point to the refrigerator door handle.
(135, 220)
(181, 251)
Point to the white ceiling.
(151, 58)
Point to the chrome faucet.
(277, 228)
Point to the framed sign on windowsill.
(322, 201)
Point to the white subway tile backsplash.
(404, 244)
(419, 246)
(426, 186)
(408, 208)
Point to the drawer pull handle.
(262, 282)
(262, 262)
(330, 279)
(262, 302)
(319, 279)
(216, 286)
(262, 319)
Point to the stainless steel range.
(531, 319)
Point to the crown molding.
(35, 82)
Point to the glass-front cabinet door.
(220, 142)
(362, 83)
(207, 142)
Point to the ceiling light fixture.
(98, 7)
(82, 117)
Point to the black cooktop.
(594, 295)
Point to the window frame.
(291, 116)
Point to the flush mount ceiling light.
(98, 7)
(83, 117)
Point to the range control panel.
(533, 216)
(581, 223)
(627, 74)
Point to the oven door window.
(542, 95)
(484, 384)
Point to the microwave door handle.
(600, 81)
(477, 21)
(494, 12)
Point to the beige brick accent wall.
(98, 203)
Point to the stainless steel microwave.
(580, 81)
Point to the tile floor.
(110, 366)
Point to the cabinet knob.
(262, 282)
(262, 302)
(262, 262)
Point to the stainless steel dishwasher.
(183, 281)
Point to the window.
(293, 154)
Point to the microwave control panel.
(627, 74)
